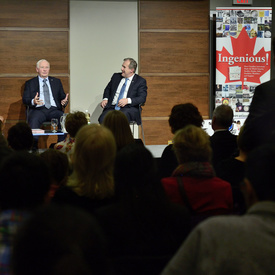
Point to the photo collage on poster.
(238, 97)
(257, 23)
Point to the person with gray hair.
(223, 143)
(45, 98)
(125, 92)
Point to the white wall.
(102, 33)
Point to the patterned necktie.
(46, 95)
(121, 93)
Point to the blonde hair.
(118, 123)
(192, 144)
(93, 162)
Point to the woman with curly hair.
(181, 115)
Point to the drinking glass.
(54, 123)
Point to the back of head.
(20, 136)
(74, 121)
(118, 123)
(223, 116)
(25, 181)
(260, 171)
(192, 144)
(93, 161)
(136, 175)
(184, 114)
(60, 240)
(59, 165)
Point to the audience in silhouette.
(236, 244)
(143, 228)
(20, 137)
(223, 143)
(60, 240)
(24, 185)
(73, 122)
(113, 196)
(181, 115)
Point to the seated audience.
(74, 121)
(60, 240)
(223, 143)
(20, 137)
(236, 244)
(193, 183)
(118, 123)
(59, 168)
(24, 185)
(181, 115)
(142, 224)
(91, 183)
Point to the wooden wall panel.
(34, 13)
(165, 92)
(174, 52)
(174, 15)
(24, 48)
(174, 58)
(157, 130)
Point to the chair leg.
(143, 138)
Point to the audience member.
(193, 182)
(118, 123)
(91, 183)
(142, 224)
(5, 150)
(232, 170)
(74, 121)
(60, 240)
(24, 185)
(236, 244)
(181, 115)
(20, 137)
(59, 168)
(124, 92)
(45, 98)
(223, 143)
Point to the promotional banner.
(243, 55)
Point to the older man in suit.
(44, 95)
(124, 92)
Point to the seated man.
(236, 244)
(125, 92)
(45, 97)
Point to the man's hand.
(103, 103)
(37, 101)
(64, 101)
(122, 102)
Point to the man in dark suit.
(124, 92)
(45, 97)
(223, 143)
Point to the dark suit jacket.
(137, 90)
(224, 145)
(32, 87)
(263, 100)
